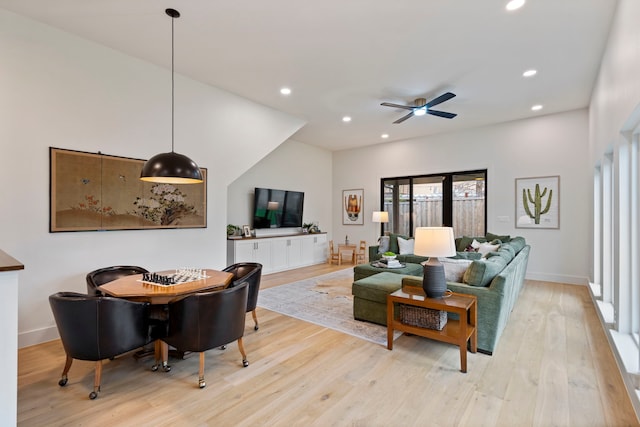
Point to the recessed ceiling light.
(530, 73)
(346, 119)
(537, 107)
(515, 4)
(285, 91)
(384, 136)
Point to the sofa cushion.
(503, 239)
(482, 271)
(464, 242)
(411, 258)
(377, 287)
(405, 246)
(467, 255)
(517, 243)
(393, 242)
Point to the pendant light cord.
(172, 84)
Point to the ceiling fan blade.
(403, 118)
(440, 99)
(441, 114)
(388, 104)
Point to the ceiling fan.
(422, 107)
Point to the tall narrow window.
(456, 199)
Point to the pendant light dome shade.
(171, 168)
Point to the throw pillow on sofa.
(485, 248)
(481, 272)
(454, 268)
(393, 242)
(405, 246)
(383, 245)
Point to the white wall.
(62, 91)
(542, 146)
(292, 166)
(617, 91)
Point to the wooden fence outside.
(468, 215)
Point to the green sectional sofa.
(496, 281)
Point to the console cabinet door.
(278, 254)
(294, 252)
(320, 249)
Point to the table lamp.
(379, 217)
(434, 242)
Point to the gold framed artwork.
(97, 192)
(538, 202)
(352, 207)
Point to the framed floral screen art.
(95, 192)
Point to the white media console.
(279, 253)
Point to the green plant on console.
(536, 200)
(233, 230)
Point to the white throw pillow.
(406, 246)
(475, 244)
(454, 268)
(485, 248)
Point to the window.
(456, 199)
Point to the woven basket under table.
(423, 317)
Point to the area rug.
(323, 300)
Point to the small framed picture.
(352, 207)
(246, 231)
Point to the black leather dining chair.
(108, 274)
(97, 328)
(205, 320)
(251, 273)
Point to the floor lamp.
(379, 217)
(434, 242)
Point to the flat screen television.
(277, 208)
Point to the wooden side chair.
(360, 254)
(333, 255)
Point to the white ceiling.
(345, 57)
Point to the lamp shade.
(434, 242)
(380, 216)
(171, 168)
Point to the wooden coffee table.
(457, 332)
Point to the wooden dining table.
(135, 289)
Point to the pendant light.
(171, 168)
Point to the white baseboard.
(558, 278)
(37, 336)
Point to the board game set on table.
(182, 275)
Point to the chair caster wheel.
(154, 368)
(245, 363)
(93, 395)
(166, 368)
(223, 347)
(62, 382)
(255, 328)
(202, 384)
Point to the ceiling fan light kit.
(422, 107)
(171, 168)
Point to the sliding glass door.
(452, 199)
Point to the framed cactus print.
(538, 202)
(352, 213)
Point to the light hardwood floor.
(552, 367)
